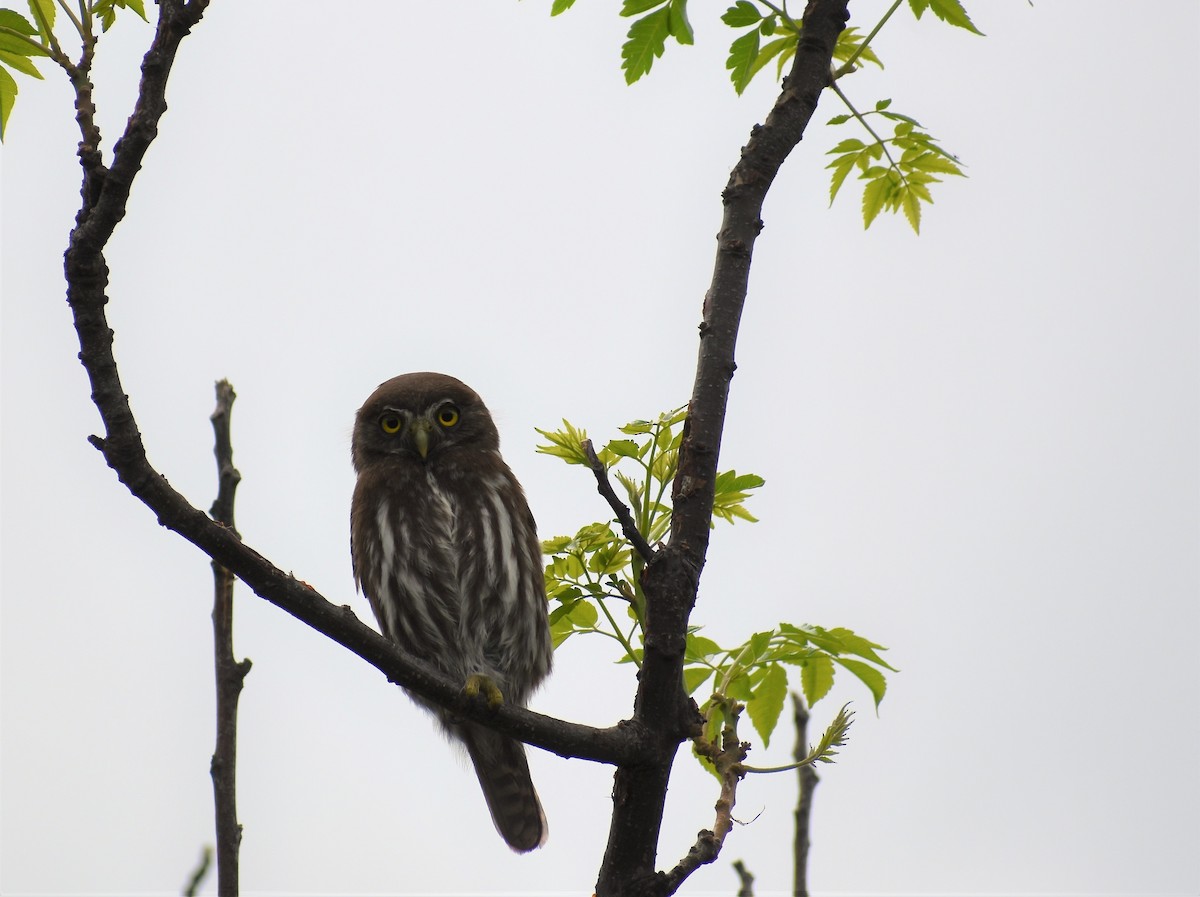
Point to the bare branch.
(808, 783)
(230, 673)
(746, 880)
(624, 516)
(197, 876)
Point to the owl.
(445, 549)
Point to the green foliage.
(22, 38)
(772, 35)
(647, 38)
(19, 40)
(106, 11)
(949, 11)
(897, 181)
(593, 581)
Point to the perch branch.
(87, 279)
(624, 515)
(230, 673)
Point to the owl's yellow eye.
(448, 416)
(390, 424)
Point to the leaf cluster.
(768, 35)
(22, 39)
(893, 182)
(593, 581)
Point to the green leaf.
(911, 203)
(637, 428)
(678, 24)
(609, 559)
(699, 647)
(840, 119)
(741, 15)
(11, 19)
(584, 615)
(742, 54)
(875, 196)
(714, 723)
(18, 61)
(816, 678)
(952, 13)
(853, 643)
(561, 6)
(755, 648)
(8, 96)
(936, 162)
(555, 545)
(694, 677)
(566, 443)
(870, 677)
(561, 630)
(766, 703)
(739, 687)
(841, 167)
(625, 448)
(848, 44)
(633, 7)
(770, 51)
(849, 145)
(646, 42)
(106, 11)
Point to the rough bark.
(230, 672)
(672, 576)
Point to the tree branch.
(727, 760)
(87, 278)
(230, 673)
(808, 782)
(671, 578)
(745, 879)
(624, 515)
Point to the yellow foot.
(480, 686)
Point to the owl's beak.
(420, 435)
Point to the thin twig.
(192, 888)
(624, 515)
(230, 673)
(746, 888)
(808, 782)
(728, 762)
(848, 65)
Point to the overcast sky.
(980, 445)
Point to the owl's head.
(421, 417)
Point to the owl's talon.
(480, 686)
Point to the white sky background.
(980, 445)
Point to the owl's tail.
(503, 772)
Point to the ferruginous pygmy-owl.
(445, 549)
